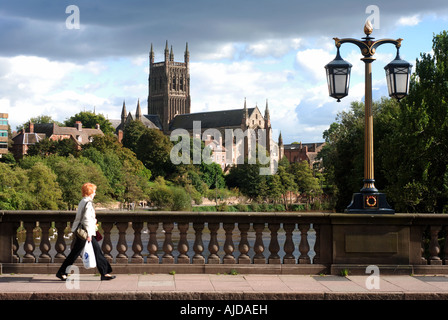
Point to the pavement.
(225, 296)
(223, 287)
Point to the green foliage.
(150, 146)
(295, 178)
(90, 120)
(42, 184)
(169, 198)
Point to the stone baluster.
(243, 246)
(213, 246)
(304, 246)
(229, 246)
(422, 250)
(289, 244)
(137, 245)
(259, 246)
(182, 246)
(445, 260)
(434, 247)
(60, 245)
(274, 247)
(45, 244)
(153, 246)
(316, 258)
(106, 246)
(15, 243)
(198, 245)
(29, 246)
(168, 245)
(122, 245)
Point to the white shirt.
(89, 220)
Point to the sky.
(258, 50)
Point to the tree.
(90, 120)
(72, 173)
(246, 177)
(46, 191)
(38, 119)
(287, 182)
(127, 176)
(212, 175)
(276, 190)
(417, 162)
(306, 183)
(132, 133)
(153, 150)
(14, 193)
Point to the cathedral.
(169, 108)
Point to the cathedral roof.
(212, 119)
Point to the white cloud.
(314, 61)
(409, 21)
(32, 86)
(273, 47)
(220, 86)
(225, 51)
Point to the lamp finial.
(368, 28)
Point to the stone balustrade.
(280, 242)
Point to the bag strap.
(83, 213)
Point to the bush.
(205, 209)
(279, 207)
(162, 197)
(181, 199)
(242, 207)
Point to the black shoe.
(107, 277)
(61, 276)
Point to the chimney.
(78, 125)
(31, 127)
(97, 126)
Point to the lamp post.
(369, 200)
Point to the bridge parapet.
(243, 242)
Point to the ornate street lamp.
(338, 77)
(369, 200)
(398, 73)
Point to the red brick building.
(297, 152)
(37, 132)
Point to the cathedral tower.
(169, 86)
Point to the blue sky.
(258, 50)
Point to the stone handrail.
(293, 242)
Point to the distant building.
(3, 134)
(297, 152)
(169, 108)
(37, 132)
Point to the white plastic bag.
(88, 256)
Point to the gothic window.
(174, 83)
(182, 84)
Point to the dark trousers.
(102, 264)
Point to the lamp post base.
(369, 202)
